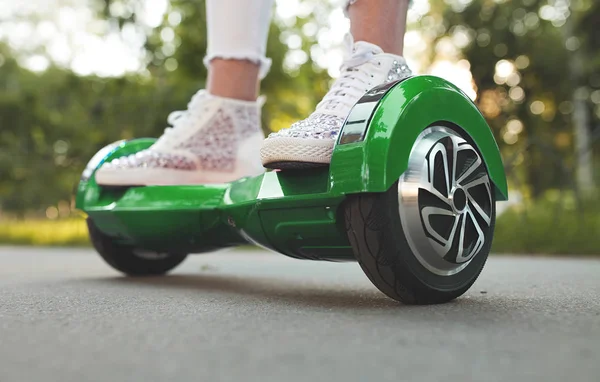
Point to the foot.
(309, 143)
(215, 140)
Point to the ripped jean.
(238, 29)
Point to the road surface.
(253, 316)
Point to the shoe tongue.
(363, 46)
(360, 53)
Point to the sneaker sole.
(294, 165)
(296, 153)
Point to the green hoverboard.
(410, 194)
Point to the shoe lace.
(351, 84)
(179, 118)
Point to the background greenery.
(536, 74)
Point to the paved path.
(251, 316)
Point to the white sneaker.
(309, 143)
(215, 140)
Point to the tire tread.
(368, 218)
(122, 258)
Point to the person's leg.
(374, 58)
(237, 42)
(218, 137)
(236, 79)
(366, 15)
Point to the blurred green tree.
(178, 58)
(52, 122)
(523, 56)
(535, 67)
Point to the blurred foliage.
(524, 59)
(533, 62)
(53, 122)
(554, 224)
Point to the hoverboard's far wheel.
(130, 260)
(427, 238)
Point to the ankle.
(235, 79)
(389, 14)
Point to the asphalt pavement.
(255, 316)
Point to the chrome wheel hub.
(445, 201)
(459, 200)
(150, 255)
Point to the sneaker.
(215, 140)
(309, 143)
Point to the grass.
(63, 232)
(553, 225)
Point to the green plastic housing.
(298, 213)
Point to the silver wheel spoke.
(476, 182)
(471, 168)
(445, 212)
(478, 243)
(486, 217)
(454, 160)
(427, 212)
(439, 148)
(452, 235)
(429, 187)
(461, 239)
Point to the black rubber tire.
(122, 257)
(380, 246)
